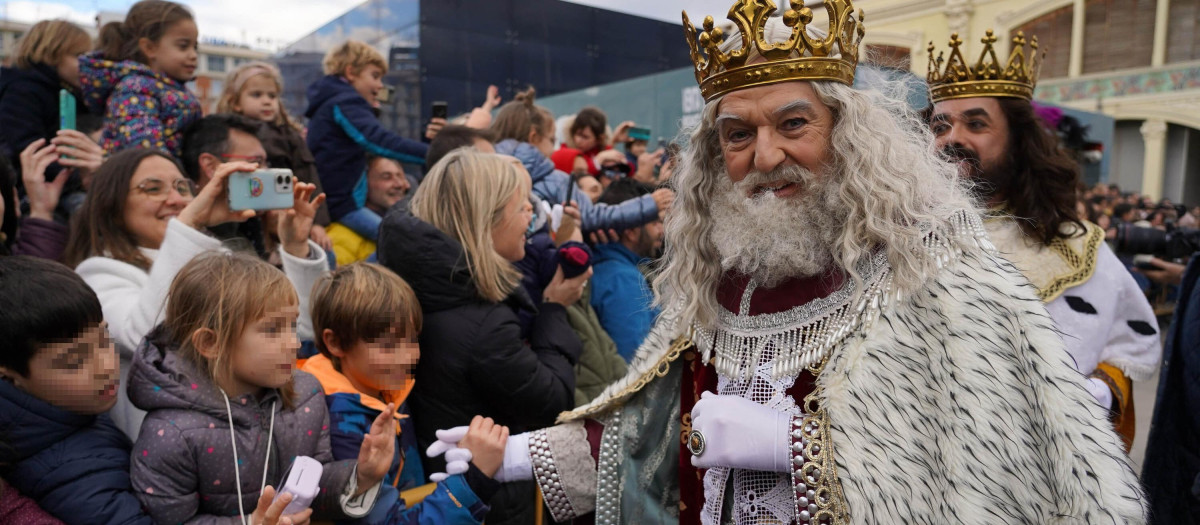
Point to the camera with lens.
(1172, 244)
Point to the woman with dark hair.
(142, 221)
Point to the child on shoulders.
(139, 80)
(343, 130)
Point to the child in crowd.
(59, 371)
(386, 185)
(45, 62)
(343, 129)
(227, 412)
(367, 319)
(253, 90)
(589, 134)
(138, 80)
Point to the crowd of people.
(464, 326)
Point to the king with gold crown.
(840, 343)
(983, 119)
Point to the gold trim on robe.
(1053, 268)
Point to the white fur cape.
(957, 405)
(960, 405)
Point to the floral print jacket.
(141, 108)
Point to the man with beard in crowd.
(985, 122)
(873, 360)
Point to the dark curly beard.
(989, 180)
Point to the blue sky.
(253, 22)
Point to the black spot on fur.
(1142, 327)
(1079, 305)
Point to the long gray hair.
(894, 185)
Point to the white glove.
(516, 465)
(458, 460)
(739, 433)
(1099, 390)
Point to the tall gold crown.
(987, 78)
(799, 58)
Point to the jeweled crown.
(988, 77)
(801, 57)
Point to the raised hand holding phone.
(211, 205)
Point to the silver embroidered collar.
(802, 336)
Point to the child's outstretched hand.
(486, 440)
(375, 455)
(270, 510)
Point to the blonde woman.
(456, 246)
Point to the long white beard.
(772, 239)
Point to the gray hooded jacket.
(183, 461)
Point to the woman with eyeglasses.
(143, 220)
(456, 244)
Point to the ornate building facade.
(1137, 61)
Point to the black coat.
(1171, 470)
(473, 359)
(29, 110)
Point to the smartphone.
(440, 109)
(302, 480)
(66, 110)
(636, 133)
(269, 189)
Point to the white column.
(1161, 14)
(1075, 66)
(958, 18)
(1154, 137)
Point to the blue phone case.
(66, 110)
(269, 189)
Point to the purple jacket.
(41, 238)
(141, 108)
(183, 464)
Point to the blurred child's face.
(637, 147)
(259, 99)
(175, 54)
(266, 352)
(79, 375)
(591, 187)
(386, 184)
(68, 66)
(385, 363)
(544, 141)
(585, 140)
(367, 82)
